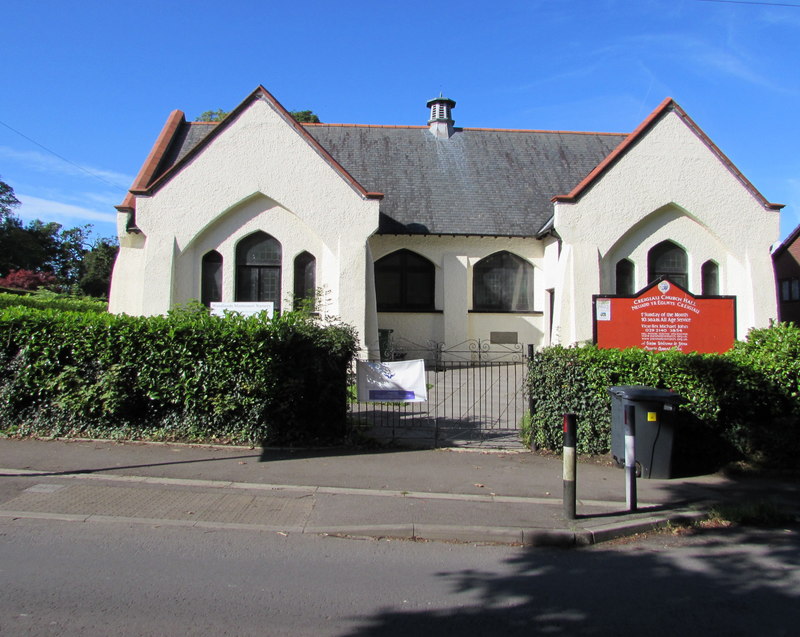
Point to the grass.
(764, 513)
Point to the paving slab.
(452, 495)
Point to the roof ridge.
(467, 128)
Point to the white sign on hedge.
(243, 308)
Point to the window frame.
(662, 251)
(250, 264)
(211, 258)
(305, 291)
(629, 275)
(512, 268)
(410, 267)
(707, 270)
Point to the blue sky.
(88, 85)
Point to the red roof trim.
(668, 105)
(783, 247)
(261, 93)
(145, 176)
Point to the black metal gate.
(476, 397)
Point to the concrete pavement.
(451, 495)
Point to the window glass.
(503, 282)
(404, 280)
(258, 249)
(305, 277)
(668, 260)
(625, 278)
(258, 269)
(710, 274)
(211, 278)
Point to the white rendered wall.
(258, 174)
(454, 257)
(668, 186)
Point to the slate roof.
(485, 182)
(477, 182)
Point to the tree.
(212, 116)
(71, 246)
(27, 280)
(305, 117)
(43, 253)
(97, 266)
(7, 200)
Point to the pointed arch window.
(625, 277)
(710, 276)
(258, 269)
(305, 279)
(211, 278)
(502, 282)
(667, 259)
(405, 280)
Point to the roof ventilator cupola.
(441, 122)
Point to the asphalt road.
(67, 578)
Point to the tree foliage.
(50, 253)
(212, 116)
(304, 117)
(28, 280)
(97, 265)
(7, 200)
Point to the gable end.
(669, 105)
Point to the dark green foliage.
(212, 116)
(188, 376)
(305, 117)
(741, 404)
(218, 115)
(47, 249)
(7, 200)
(44, 300)
(97, 266)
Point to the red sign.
(664, 316)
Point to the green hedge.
(188, 376)
(741, 404)
(52, 301)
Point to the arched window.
(404, 280)
(502, 282)
(710, 276)
(626, 277)
(668, 260)
(258, 269)
(305, 279)
(211, 278)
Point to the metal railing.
(476, 395)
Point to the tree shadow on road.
(725, 581)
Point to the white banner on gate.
(398, 381)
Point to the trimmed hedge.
(188, 376)
(743, 404)
(52, 301)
